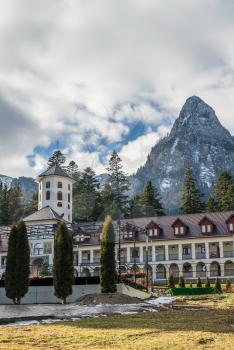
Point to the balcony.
(214, 255)
(186, 256)
(228, 254)
(85, 261)
(160, 257)
(134, 260)
(173, 256)
(200, 255)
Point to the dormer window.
(128, 234)
(153, 230)
(230, 223)
(231, 227)
(82, 237)
(179, 228)
(206, 225)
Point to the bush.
(171, 282)
(218, 285)
(190, 285)
(199, 283)
(181, 282)
(228, 286)
(207, 283)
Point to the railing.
(186, 256)
(214, 273)
(160, 275)
(201, 273)
(228, 272)
(173, 256)
(135, 260)
(214, 255)
(187, 274)
(200, 255)
(160, 257)
(228, 254)
(85, 261)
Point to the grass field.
(210, 327)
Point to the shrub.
(228, 286)
(171, 282)
(191, 285)
(218, 285)
(207, 283)
(199, 283)
(181, 282)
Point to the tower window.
(48, 184)
(68, 206)
(59, 196)
(69, 187)
(68, 217)
(69, 197)
(60, 185)
(59, 204)
(47, 195)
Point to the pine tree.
(207, 283)
(171, 282)
(221, 192)
(107, 259)
(211, 205)
(181, 282)
(15, 204)
(199, 282)
(218, 285)
(118, 183)
(63, 263)
(57, 158)
(4, 210)
(191, 196)
(72, 169)
(136, 208)
(151, 201)
(17, 267)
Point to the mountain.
(27, 184)
(198, 138)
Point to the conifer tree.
(107, 259)
(218, 285)
(228, 285)
(171, 281)
(207, 282)
(181, 282)
(17, 269)
(4, 209)
(136, 208)
(211, 205)
(63, 263)
(221, 191)
(57, 158)
(191, 196)
(118, 183)
(199, 282)
(151, 201)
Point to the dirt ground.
(107, 298)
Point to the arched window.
(59, 204)
(47, 195)
(48, 184)
(69, 197)
(60, 185)
(59, 196)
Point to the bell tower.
(55, 191)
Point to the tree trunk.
(64, 300)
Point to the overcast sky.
(96, 75)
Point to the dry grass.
(211, 327)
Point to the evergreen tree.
(191, 196)
(218, 285)
(223, 189)
(72, 169)
(181, 282)
(199, 282)
(207, 282)
(17, 268)
(171, 281)
(107, 259)
(45, 269)
(228, 286)
(136, 208)
(151, 201)
(118, 183)
(15, 204)
(31, 206)
(63, 263)
(57, 158)
(4, 209)
(211, 205)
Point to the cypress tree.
(218, 285)
(191, 196)
(151, 201)
(181, 282)
(63, 263)
(107, 259)
(207, 282)
(17, 269)
(199, 282)
(228, 286)
(171, 282)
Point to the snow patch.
(161, 301)
(174, 145)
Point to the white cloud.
(76, 68)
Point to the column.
(91, 256)
(222, 270)
(141, 255)
(180, 266)
(194, 270)
(80, 257)
(208, 270)
(193, 247)
(154, 273)
(153, 253)
(221, 249)
(207, 250)
(166, 252)
(128, 255)
(180, 250)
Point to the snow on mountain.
(6, 181)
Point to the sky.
(93, 76)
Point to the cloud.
(86, 72)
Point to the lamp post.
(147, 262)
(119, 252)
